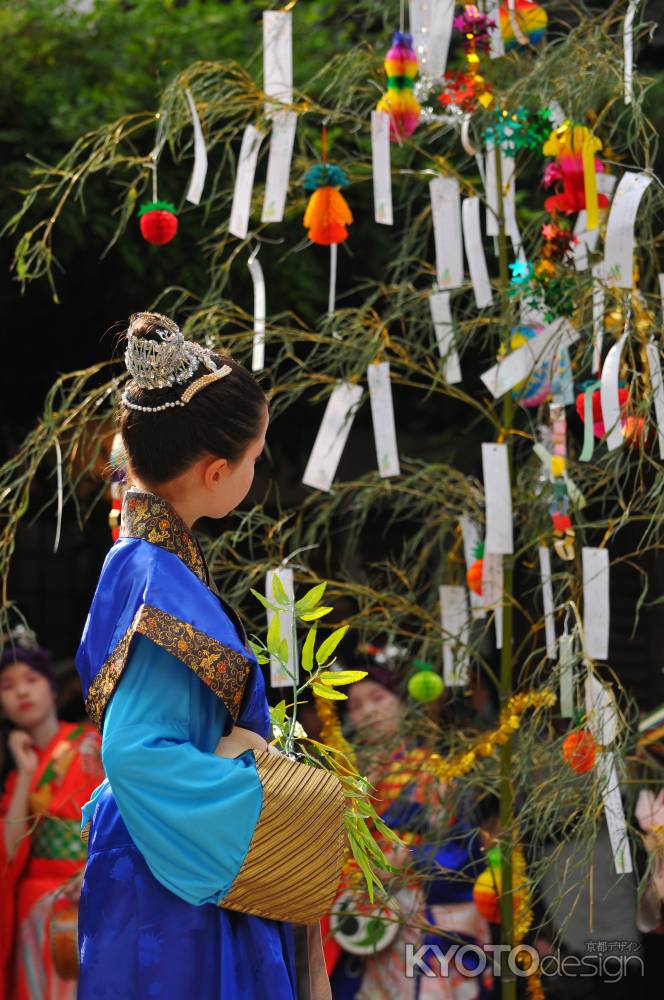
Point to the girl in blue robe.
(204, 846)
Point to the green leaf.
(311, 598)
(274, 635)
(278, 713)
(327, 647)
(283, 650)
(278, 591)
(312, 616)
(387, 831)
(329, 693)
(308, 650)
(264, 601)
(337, 678)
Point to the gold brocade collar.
(147, 516)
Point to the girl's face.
(374, 712)
(236, 481)
(26, 696)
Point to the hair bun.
(151, 326)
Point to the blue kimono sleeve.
(190, 813)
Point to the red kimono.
(49, 856)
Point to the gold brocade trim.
(293, 866)
(150, 517)
(224, 670)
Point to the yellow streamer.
(591, 146)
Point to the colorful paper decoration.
(520, 129)
(158, 222)
(475, 570)
(399, 100)
(579, 751)
(531, 21)
(537, 387)
(327, 214)
(425, 684)
(576, 165)
(475, 28)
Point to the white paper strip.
(661, 293)
(599, 295)
(380, 159)
(471, 539)
(244, 182)
(472, 235)
(332, 436)
(492, 591)
(197, 182)
(566, 676)
(382, 415)
(518, 365)
(587, 239)
(497, 499)
(628, 45)
(491, 190)
(596, 608)
(547, 601)
(277, 58)
(496, 35)
(558, 116)
(619, 238)
(655, 369)
(610, 400)
(279, 159)
(455, 623)
(278, 676)
(258, 352)
(431, 28)
(441, 315)
(601, 711)
(446, 215)
(614, 814)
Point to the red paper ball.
(474, 576)
(158, 222)
(579, 751)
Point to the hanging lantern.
(579, 751)
(158, 222)
(399, 101)
(425, 684)
(531, 21)
(475, 571)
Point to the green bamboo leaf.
(387, 832)
(311, 598)
(264, 601)
(308, 650)
(278, 591)
(337, 678)
(329, 693)
(327, 647)
(278, 713)
(312, 616)
(274, 635)
(283, 650)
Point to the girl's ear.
(214, 470)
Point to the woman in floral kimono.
(41, 855)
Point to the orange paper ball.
(474, 576)
(485, 894)
(579, 751)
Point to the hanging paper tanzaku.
(199, 172)
(258, 351)
(382, 415)
(244, 182)
(380, 159)
(619, 239)
(446, 216)
(332, 436)
(454, 620)
(472, 236)
(278, 86)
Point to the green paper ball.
(425, 685)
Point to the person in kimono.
(56, 766)
(205, 846)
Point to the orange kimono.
(44, 861)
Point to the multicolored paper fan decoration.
(399, 101)
(327, 214)
(531, 21)
(158, 222)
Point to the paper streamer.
(619, 239)
(655, 369)
(661, 293)
(566, 675)
(596, 610)
(599, 295)
(465, 138)
(601, 711)
(492, 591)
(278, 676)
(198, 174)
(495, 34)
(244, 182)
(382, 414)
(446, 215)
(441, 315)
(332, 436)
(258, 352)
(609, 396)
(279, 159)
(547, 600)
(277, 59)
(380, 159)
(628, 44)
(472, 236)
(587, 239)
(497, 500)
(614, 813)
(431, 28)
(471, 539)
(491, 190)
(516, 366)
(455, 624)
(58, 473)
(333, 279)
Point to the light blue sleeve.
(191, 814)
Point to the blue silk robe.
(175, 839)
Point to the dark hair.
(37, 659)
(220, 420)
